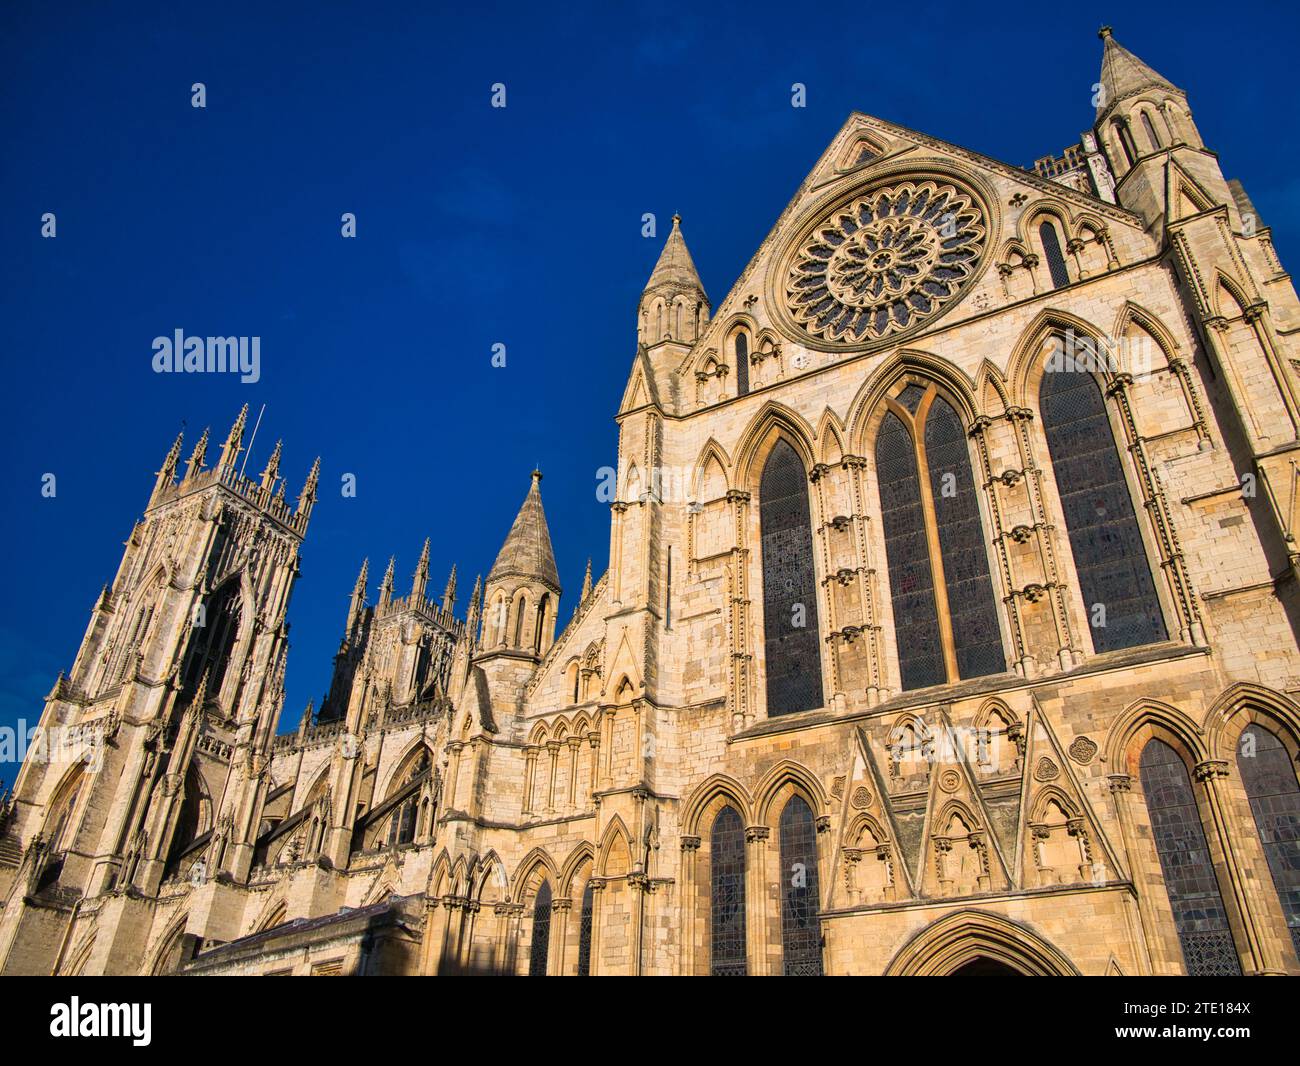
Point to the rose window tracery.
(886, 261)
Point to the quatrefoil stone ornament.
(885, 262)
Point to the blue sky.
(476, 226)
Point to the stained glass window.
(742, 363)
(541, 931)
(584, 931)
(727, 895)
(911, 582)
(1199, 914)
(791, 639)
(800, 929)
(1109, 556)
(1052, 251)
(951, 549)
(1270, 782)
(975, 633)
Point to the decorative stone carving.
(1046, 770)
(861, 797)
(1082, 750)
(886, 262)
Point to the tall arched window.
(1109, 556)
(214, 640)
(1125, 137)
(727, 896)
(800, 929)
(541, 945)
(540, 622)
(584, 931)
(1199, 914)
(742, 363)
(1150, 128)
(791, 644)
(1269, 778)
(521, 605)
(1052, 251)
(945, 622)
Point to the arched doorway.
(983, 967)
(979, 944)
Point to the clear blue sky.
(476, 226)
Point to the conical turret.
(674, 305)
(523, 586)
(1124, 75)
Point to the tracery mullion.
(1020, 417)
(817, 478)
(980, 433)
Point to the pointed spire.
(234, 442)
(1123, 74)
(449, 593)
(199, 456)
(527, 550)
(167, 475)
(272, 472)
(386, 586)
(358, 601)
(475, 612)
(421, 581)
(675, 269)
(201, 693)
(308, 495)
(307, 714)
(586, 582)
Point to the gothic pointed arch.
(774, 421)
(711, 481)
(1196, 899)
(1116, 586)
(491, 885)
(1025, 363)
(1240, 704)
(582, 853)
(783, 780)
(707, 795)
(537, 864)
(168, 955)
(791, 632)
(946, 622)
(615, 852)
(1145, 714)
(800, 886)
(830, 438)
(907, 365)
(728, 950)
(956, 940)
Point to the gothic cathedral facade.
(951, 625)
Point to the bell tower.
(172, 699)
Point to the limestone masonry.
(950, 626)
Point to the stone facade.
(627, 796)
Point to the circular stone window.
(886, 261)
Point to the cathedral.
(951, 626)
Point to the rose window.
(886, 261)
